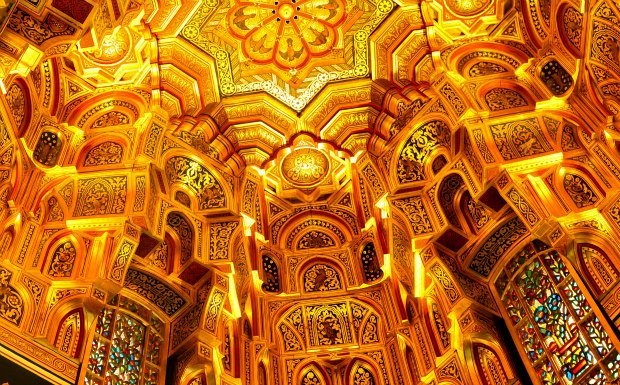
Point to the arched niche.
(104, 151)
(329, 324)
(578, 188)
(312, 374)
(412, 159)
(361, 372)
(181, 232)
(321, 276)
(63, 257)
(596, 261)
(195, 176)
(68, 336)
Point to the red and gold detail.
(310, 192)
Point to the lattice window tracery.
(126, 348)
(561, 335)
(370, 263)
(271, 278)
(47, 149)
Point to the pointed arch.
(599, 271)
(362, 373)
(70, 334)
(312, 374)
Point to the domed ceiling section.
(305, 191)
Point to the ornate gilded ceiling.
(310, 191)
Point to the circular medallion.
(114, 47)
(467, 7)
(305, 166)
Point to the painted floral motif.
(286, 32)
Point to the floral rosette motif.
(286, 32)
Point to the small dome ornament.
(305, 166)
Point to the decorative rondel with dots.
(286, 32)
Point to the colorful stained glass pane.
(534, 284)
(126, 303)
(157, 324)
(533, 347)
(556, 266)
(599, 337)
(575, 359)
(501, 282)
(90, 380)
(597, 378)
(520, 259)
(98, 353)
(151, 376)
(124, 364)
(546, 374)
(104, 323)
(576, 299)
(613, 365)
(513, 306)
(549, 311)
(154, 346)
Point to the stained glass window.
(561, 335)
(127, 346)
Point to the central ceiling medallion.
(305, 166)
(467, 7)
(287, 33)
(288, 48)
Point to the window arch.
(271, 278)
(127, 345)
(551, 317)
(370, 263)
